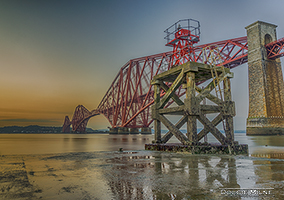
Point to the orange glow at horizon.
(56, 55)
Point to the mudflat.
(139, 175)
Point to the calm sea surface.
(63, 143)
(89, 166)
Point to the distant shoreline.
(35, 129)
(60, 133)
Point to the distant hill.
(39, 129)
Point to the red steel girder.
(79, 121)
(66, 125)
(233, 52)
(131, 91)
(275, 49)
(128, 99)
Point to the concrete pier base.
(134, 131)
(113, 130)
(264, 131)
(265, 126)
(202, 148)
(146, 130)
(123, 130)
(276, 155)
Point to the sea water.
(90, 166)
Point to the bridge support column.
(266, 103)
(134, 130)
(146, 130)
(113, 130)
(123, 130)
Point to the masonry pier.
(123, 130)
(126, 131)
(113, 130)
(266, 109)
(168, 102)
(133, 130)
(146, 130)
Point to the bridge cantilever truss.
(128, 99)
(79, 121)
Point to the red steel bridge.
(128, 99)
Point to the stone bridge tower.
(265, 83)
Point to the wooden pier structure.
(187, 77)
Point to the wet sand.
(139, 175)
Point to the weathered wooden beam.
(212, 98)
(201, 68)
(175, 71)
(229, 130)
(190, 85)
(228, 108)
(157, 123)
(169, 134)
(172, 90)
(192, 129)
(168, 75)
(191, 104)
(205, 131)
(206, 91)
(207, 109)
(174, 96)
(211, 127)
(174, 130)
(179, 110)
(227, 89)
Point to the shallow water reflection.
(138, 175)
(90, 166)
(61, 143)
(270, 173)
(180, 176)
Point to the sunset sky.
(57, 54)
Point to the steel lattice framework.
(275, 49)
(128, 99)
(79, 121)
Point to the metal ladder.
(214, 59)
